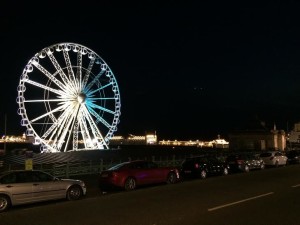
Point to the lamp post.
(5, 121)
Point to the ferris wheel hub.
(81, 98)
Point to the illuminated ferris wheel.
(69, 99)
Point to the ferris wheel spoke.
(87, 139)
(49, 100)
(56, 123)
(75, 134)
(71, 126)
(45, 87)
(85, 130)
(60, 71)
(48, 113)
(101, 88)
(83, 123)
(61, 134)
(94, 129)
(57, 132)
(79, 70)
(92, 105)
(99, 118)
(87, 74)
(112, 98)
(49, 75)
(96, 78)
(69, 68)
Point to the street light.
(5, 121)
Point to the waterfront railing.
(71, 169)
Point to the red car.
(129, 175)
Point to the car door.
(18, 187)
(214, 165)
(156, 174)
(141, 172)
(46, 187)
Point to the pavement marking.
(241, 201)
(297, 185)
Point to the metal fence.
(68, 169)
(86, 168)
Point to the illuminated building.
(293, 138)
(260, 139)
(217, 143)
(148, 139)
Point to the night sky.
(187, 70)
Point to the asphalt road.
(267, 197)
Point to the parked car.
(293, 156)
(273, 158)
(244, 162)
(129, 175)
(202, 166)
(28, 186)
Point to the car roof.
(14, 171)
(139, 160)
(130, 162)
(272, 151)
(199, 156)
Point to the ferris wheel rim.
(82, 96)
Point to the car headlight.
(82, 184)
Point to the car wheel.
(4, 203)
(74, 193)
(247, 168)
(171, 179)
(130, 184)
(203, 174)
(225, 171)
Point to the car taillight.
(196, 165)
(108, 174)
(114, 174)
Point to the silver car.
(28, 186)
(273, 158)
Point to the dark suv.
(202, 166)
(244, 162)
(293, 156)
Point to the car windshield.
(266, 154)
(116, 167)
(250, 156)
(233, 157)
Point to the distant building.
(151, 139)
(294, 137)
(258, 139)
(196, 143)
(217, 143)
(220, 143)
(148, 139)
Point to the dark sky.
(189, 70)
